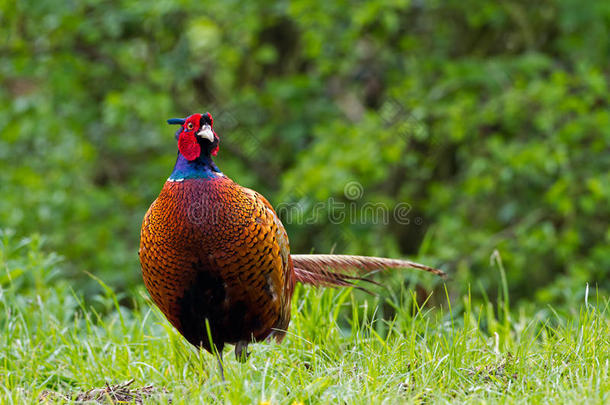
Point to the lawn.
(57, 344)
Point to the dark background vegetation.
(490, 119)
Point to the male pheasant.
(215, 257)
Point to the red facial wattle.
(187, 142)
(188, 145)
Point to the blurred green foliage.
(489, 119)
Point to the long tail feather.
(342, 270)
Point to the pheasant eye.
(189, 126)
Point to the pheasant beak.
(206, 132)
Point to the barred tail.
(342, 270)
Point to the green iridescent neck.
(201, 168)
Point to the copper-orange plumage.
(215, 252)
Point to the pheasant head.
(196, 136)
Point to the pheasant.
(216, 258)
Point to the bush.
(488, 121)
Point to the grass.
(338, 349)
